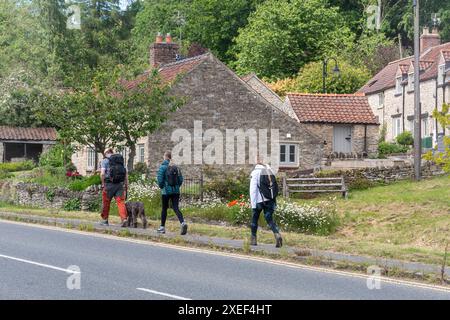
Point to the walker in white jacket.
(260, 203)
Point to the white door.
(342, 139)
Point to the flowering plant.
(241, 210)
(138, 191)
(317, 218)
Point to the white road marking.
(163, 294)
(39, 264)
(237, 256)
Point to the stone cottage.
(391, 91)
(344, 122)
(19, 144)
(223, 117)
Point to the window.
(90, 159)
(441, 72)
(396, 126)
(411, 126)
(425, 130)
(411, 82)
(124, 153)
(381, 99)
(141, 153)
(288, 154)
(398, 85)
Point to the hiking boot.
(124, 223)
(104, 223)
(184, 228)
(253, 241)
(161, 230)
(279, 240)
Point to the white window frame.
(411, 126)
(398, 85)
(411, 79)
(441, 72)
(124, 153)
(425, 127)
(287, 161)
(396, 126)
(381, 98)
(141, 152)
(90, 154)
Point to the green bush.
(229, 186)
(5, 174)
(385, 148)
(73, 204)
(57, 156)
(360, 184)
(17, 166)
(405, 139)
(81, 184)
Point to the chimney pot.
(168, 38)
(159, 38)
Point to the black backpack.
(268, 185)
(172, 174)
(117, 171)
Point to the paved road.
(34, 263)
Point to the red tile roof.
(385, 79)
(404, 68)
(332, 108)
(27, 134)
(170, 71)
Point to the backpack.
(268, 185)
(172, 174)
(117, 171)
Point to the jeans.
(269, 208)
(175, 198)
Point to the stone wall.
(221, 100)
(398, 172)
(35, 195)
(325, 132)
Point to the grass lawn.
(406, 220)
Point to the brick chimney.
(428, 40)
(163, 52)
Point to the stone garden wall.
(35, 195)
(400, 171)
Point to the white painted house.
(391, 91)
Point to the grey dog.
(135, 209)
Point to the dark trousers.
(268, 207)
(175, 199)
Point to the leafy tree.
(309, 79)
(282, 36)
(442, 158)
(141, 110)
(215, 23)
(108, 113)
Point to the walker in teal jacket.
(162, 180)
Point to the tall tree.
(283, 35)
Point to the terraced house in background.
(391, 91)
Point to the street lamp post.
(336, 71)
(417, 105)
